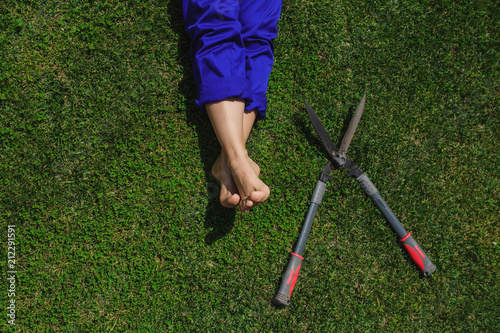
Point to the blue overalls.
(232, 49)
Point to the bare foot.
(228, 196)
(251, 189)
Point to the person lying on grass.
(232, 57)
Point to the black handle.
(292, 270)
(416, 253)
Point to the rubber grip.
(418, 255)
(288, 282)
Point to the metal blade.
(346, 141)
(322, 133)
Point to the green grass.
(105, 159)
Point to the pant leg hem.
(259, 103)
(224, 88)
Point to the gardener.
(232, 57)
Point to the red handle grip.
(418, 255)
(288, 281)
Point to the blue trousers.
(232, 49)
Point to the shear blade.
(321, 131)
(346, 141)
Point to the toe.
(228, 199)
(246, 205)
(233, 200)
(259, 196)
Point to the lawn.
(105, 160)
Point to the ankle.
(239, 164)
(235, 158)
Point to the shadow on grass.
(217, 218)
(305, 127)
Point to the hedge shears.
(337, 160)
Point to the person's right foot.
(251, 189)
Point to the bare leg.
(248, 121)
(232, 126)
